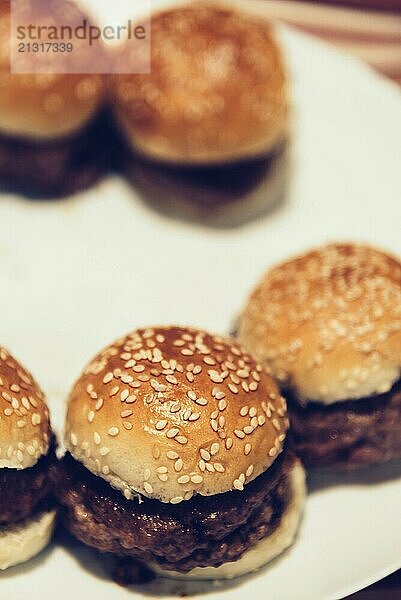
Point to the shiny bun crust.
(43, 105)
(328, 323)
(216, 92)
(24, 417)
(263, 551)
(170, 412)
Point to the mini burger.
(327, 326)
(27, 514)
(177, 456)
(51, 132)
(210, 120)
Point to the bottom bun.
(19, 543)
(266, 549)
(221, 196)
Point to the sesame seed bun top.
(170, 412)
(24, 417)
(45, 105)
(216, 92)
(328, 323)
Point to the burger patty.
(203, 531)
(350, 434)
(56, 168)
(27, 491)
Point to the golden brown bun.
(43, 105)
(328, 323)
(216, 92)
(170, 411)
(266, 549)
(24, 417)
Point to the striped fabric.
(370, 29)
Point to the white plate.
(76, 274)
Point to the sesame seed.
(183, 479)
(252, 412)
(273, 451)
(178, 465)
(204, 454)
(215, 377)
(172, 455)
(124, 395)
(208, 360)
(196, 478)
(201, 401)
(74, 439)
(91, 416)
(148, 488)
(127, 425)
(276, 424)
(99, 404)
(214, 448)
(261, 420)
(249, 471)
(191, 395)
(244, 411)
(238, 485)
(233, 388)
(219, 467)
(105, 469)
(161, 424)
(176, 500)
(21, 423)
(222, 404)
(96, 438)
(213, 424)
(247, 449)
(126, 413)
(162, 476)
(202, 465)
(181, 439)
(194, 416)
(229, 443)
(146, 474)
(209, 467)
(239, 433)
(36, 419)
(113, 431)
(104, 451)
(172, 432)
(161, 470)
